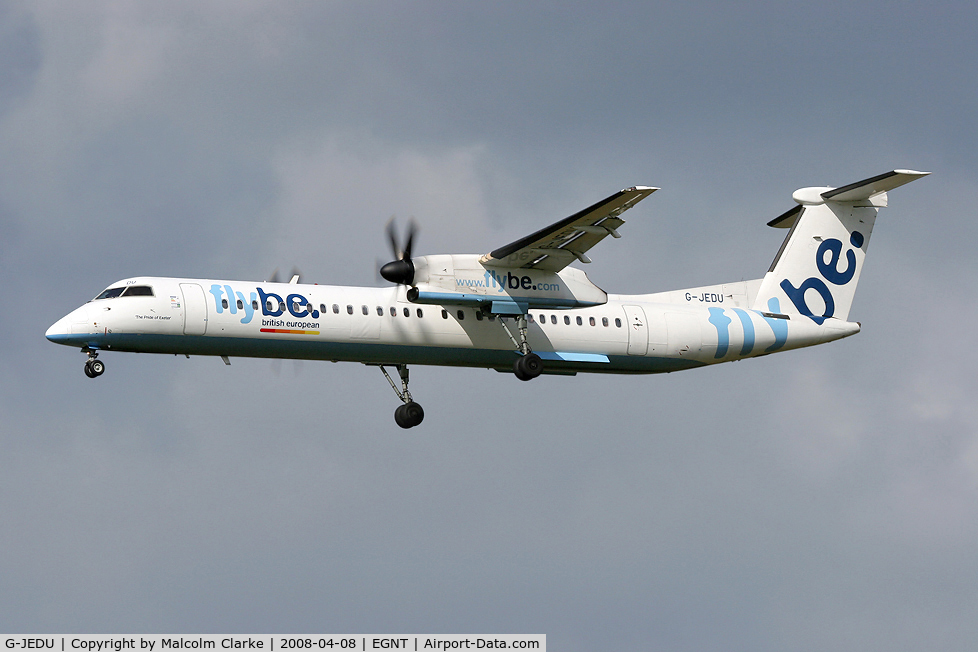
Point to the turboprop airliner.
(519, 308)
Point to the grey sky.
(818, 499)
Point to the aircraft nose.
(58, 331)
(76, 320)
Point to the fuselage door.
(638, 330)
(194, 309)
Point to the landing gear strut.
(410, 413)
(529, 365)
(93, 366)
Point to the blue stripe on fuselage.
(369, 353)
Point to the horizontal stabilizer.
(871, 188)
(866, 188)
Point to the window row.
(580, 320)
(296, 307)
(542, 319)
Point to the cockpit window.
(138, 291)
(129, 291)
(111, 293)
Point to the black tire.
(88, 369)
(518, 369)
(413, 414)
(532, 365)
(528, 367)
(400, 418)
(97, 368)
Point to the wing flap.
(556, 246)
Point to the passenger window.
(349, 309)
(420, 314)
(224, 303)
(281, 307)
(566, 320)
(365, 310)
(444, 314)
(580, 322)
(336, 308)
(553, 319)
(591, 321)
(240, 304)
(604, 322)
(478, 315)
(543, 319)
(254, 304)
(322, 308)
(393, 311)
(380, 311)
(529, 317)
(268, 306)
(461, 315)
(407, 312)
(617, 322)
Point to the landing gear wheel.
(94, 368)
(528, 367)
(408, 415)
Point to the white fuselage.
(520, 307)
(649, 333)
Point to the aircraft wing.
(560, 244)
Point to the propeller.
(401, 269)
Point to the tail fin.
(816, 271)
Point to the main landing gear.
(529, 365)
(93, 366)
(410, 413)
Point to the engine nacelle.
(463, 280)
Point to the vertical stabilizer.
(816, 271)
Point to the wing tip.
(914, 173)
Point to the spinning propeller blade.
(401, 269)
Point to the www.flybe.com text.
(502, 282)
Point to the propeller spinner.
(400, 270)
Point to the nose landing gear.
(93, 366)
(410, 413)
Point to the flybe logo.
(269, 303)
(500, 282)
(827, 260)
